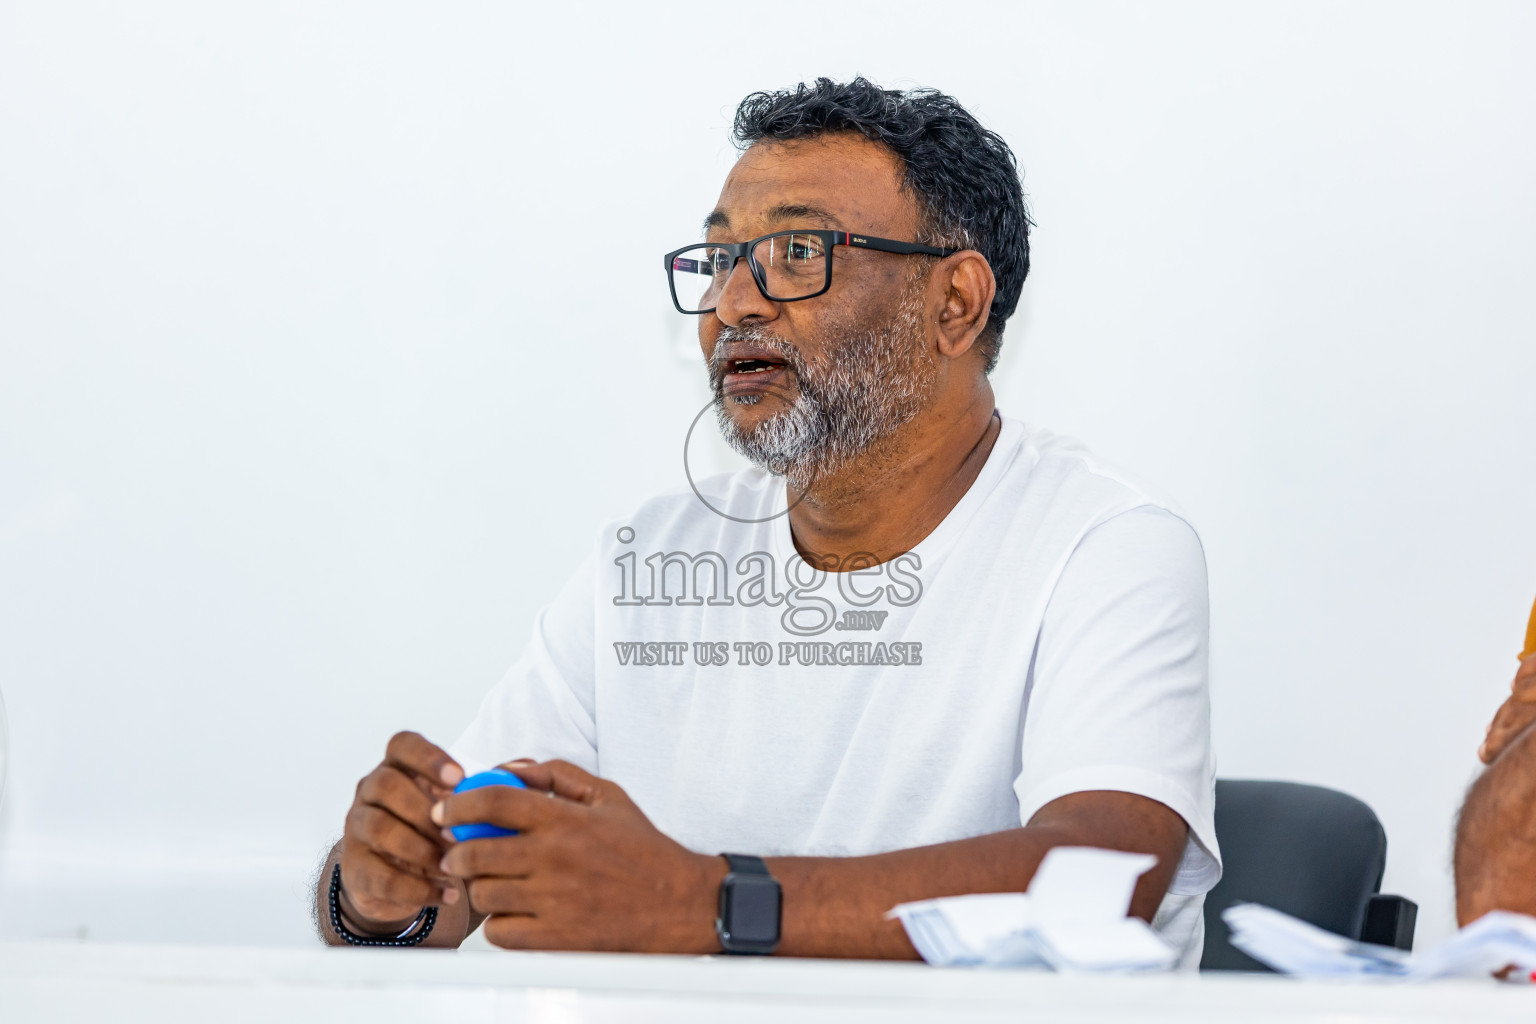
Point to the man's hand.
(391, 849)
(1515, 715)
(587, 869)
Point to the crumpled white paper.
(1073, 918)
(1494, 941)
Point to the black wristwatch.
(751, 907)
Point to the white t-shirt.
(1049, 637)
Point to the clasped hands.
(587, 869)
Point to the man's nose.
(741, 298)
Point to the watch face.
(752, 909)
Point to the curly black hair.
(964, 177)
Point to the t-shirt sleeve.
(1120, 693)
(543, 708)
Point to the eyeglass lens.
(793, 266)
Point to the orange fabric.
(1530, 636)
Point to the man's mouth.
(754, 373)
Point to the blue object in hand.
(480, 830)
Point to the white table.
(47, 981)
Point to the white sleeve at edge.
(1120, 699)
(544, 707)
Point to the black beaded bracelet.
(425, 920)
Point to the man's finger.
(498, 856)
(1498, 742)
(392, 790)
(1512, 714)
(383, 833)
(414, 754)
(1493, 742)
(1511, 721)
(369, 877)
(517, 931)
(405, 845)
(1525, 677)
(504, 806)
(559, 777)
(499, 896)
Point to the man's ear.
(962, 290)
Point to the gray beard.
(863, 387)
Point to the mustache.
(755, 335)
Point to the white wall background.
(330, 332)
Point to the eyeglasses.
(787, 265)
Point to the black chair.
(1311, 852)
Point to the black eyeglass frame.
(739, 251)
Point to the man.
(966, 643)
(1496, 836)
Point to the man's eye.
(802, 252)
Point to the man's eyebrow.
(799, 211)
(782, 212)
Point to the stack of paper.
(1073, 918)
(1493, 942)
(1292, 946)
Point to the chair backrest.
(1311, 852)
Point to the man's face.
(802, 388)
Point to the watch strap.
(745, 864)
